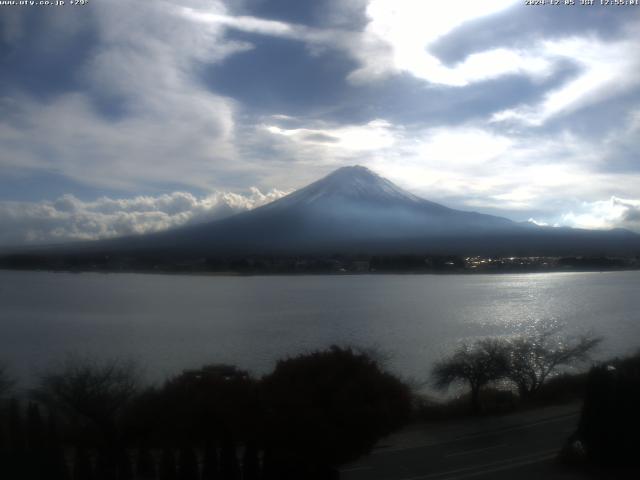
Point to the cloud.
(396, 40)
(250, 24)
(374, 135)
(69, 218)
(538, 222)
(400, 32)
(606, 69)
(606, 214)
(315, 37)
(145, 110)
(470, 166)
(162, 125)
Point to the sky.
(121, 117)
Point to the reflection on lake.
(171, 322)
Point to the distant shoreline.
(318, 274)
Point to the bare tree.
(475, 365)
(89, 389)
(6, 382)
(533, 358)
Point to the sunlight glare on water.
(172, 322)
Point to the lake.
(172, 322)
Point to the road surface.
(519, 446)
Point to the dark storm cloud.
(41, 50)
(291, 11)
(632, 215)
(318, 13)
(321, 137)
(281, 75)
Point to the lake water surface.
(172, 322)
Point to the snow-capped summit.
(355, 210)
(355, 183)
(350, 209)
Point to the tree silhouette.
(476, 365)
(167, 469)
(329, 407)
(106, 465)
(531, 359)
(229, 469)
(199, 404)
(6, 382)
(35, 429)
(125, 469)
(210, 463)
(610, 419)
(56, 463)
(36, 443)
(16, 434)
(145, 464)
(91, 391)
(4, 450)
(187, 464)
(82, 467)
(526, 360)
(250, 462)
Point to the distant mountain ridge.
(355, 211)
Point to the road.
(521, 446)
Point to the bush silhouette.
(229, 469)
(56, 462)
(313, 413)
(125, 469)
(6, 382)
(610, 419)
(197, 405)
(187, 464)
(210, 469)
(82, 466)
(250, 462)
(329, 407)
(90, 393)
(145, 464)
(167, 470)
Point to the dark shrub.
(210, 469)
(330, 407)
(90, 394)
(196, 406)
(250, 462)
(82, 467)
(145, 464)
(610, 421)
(187, 464)
(168, 470)
(6, 382)
(229, 469)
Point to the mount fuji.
(354, 210)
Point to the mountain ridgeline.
(355, 211)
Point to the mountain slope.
(350, 211)
(355, 210)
